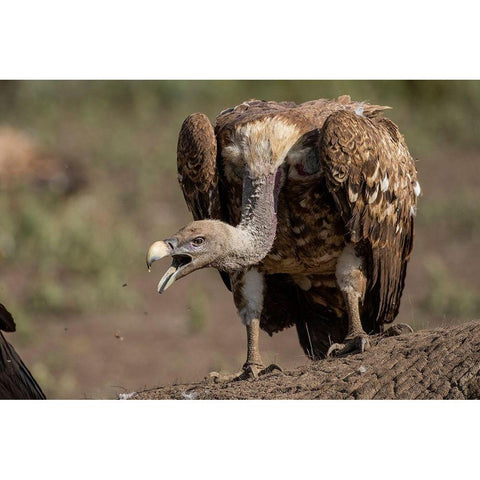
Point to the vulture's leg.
(254, 366)
(352, 282)
(392, 331)
(248, 288)
(254, 361)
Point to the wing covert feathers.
(372, 178)
(197, 168)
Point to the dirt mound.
(443, 363)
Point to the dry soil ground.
(442, 363)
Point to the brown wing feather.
(7, 324)
(372, 176)
(16, 382)
(197, 168)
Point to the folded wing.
(373, 180)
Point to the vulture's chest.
(310, 232)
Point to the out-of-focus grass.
(458, 213)
(197, 318)
(53, 378)
(71, 249)
(446, 296)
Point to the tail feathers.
(16, 381)
(318, 328)
(285, 305)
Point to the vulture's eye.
(198, 241)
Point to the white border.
(239, 439)
(250, 39)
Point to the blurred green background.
(88, 181)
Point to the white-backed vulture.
(308, 213)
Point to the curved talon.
(334, 348)
(248, 372)
(354, 344)
(212, 377)
(396, 329)
(407, 326)
(255, 371)
(218, 377)
(271, 368)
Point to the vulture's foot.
(393, 331)
(248, 372)
(397, 329)
(357, 343)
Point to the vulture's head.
(204, 243)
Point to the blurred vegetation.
(72, 253)
(196, 312)
(459, 212)
(446, 296)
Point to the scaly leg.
(356, 340)
(254, 361)
(254, 366)
(248, 290)
(352, 282)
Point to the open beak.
(159, 250)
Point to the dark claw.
(397, 329)
(248, 372)
(271, 368)
(354, 344)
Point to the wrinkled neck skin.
(253, 237)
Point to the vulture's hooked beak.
(161, 249)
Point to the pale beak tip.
(157, 251)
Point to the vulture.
(306, 210)
(16, 382)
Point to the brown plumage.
(16, 382)
(327, 192)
